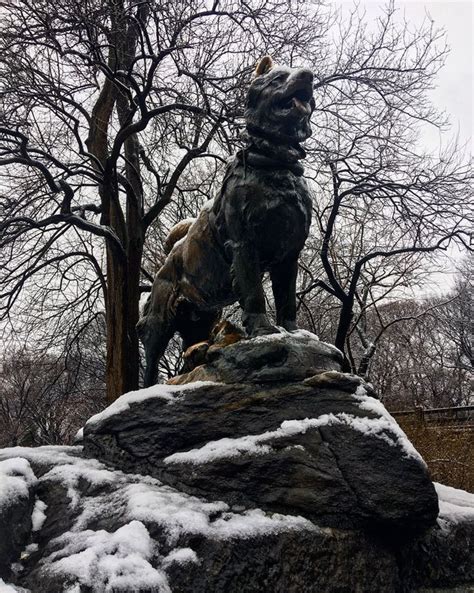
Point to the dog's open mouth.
(297, 99)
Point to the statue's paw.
(265, 330)
(258, 325)
(289, 325)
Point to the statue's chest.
(277, 213)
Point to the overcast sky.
(454, 93)
(455, 90)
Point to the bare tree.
(116, 119)
(44, 397)
(104, 106)
(382, 201)
(414, 365)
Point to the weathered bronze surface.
(258, 223)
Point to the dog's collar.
(258, 160)
(265, 151)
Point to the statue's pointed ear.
(263, 66)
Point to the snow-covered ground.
(127, 558)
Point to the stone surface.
(201, 547)
(16, 506)
(261, 486)
(322, 448)
(286, 356)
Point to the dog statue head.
(280, 103)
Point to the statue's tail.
(178, 232)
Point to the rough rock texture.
(269, 359)
(262, 486)
(322, 448)
(110, 531)
(16, 506)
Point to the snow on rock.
(168, 393)
(9, 588)
(16, 478)
(228, 442)
(47, 455)
(70, 474)
(181, 556)
(79, 437)
(384, 428)
(38, 516)
(250, 444)
(180, 513)
(373, 405)
(455, 505)
(125, 557)
(298, 334)
(109, 562)
(66, 467)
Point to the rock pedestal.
(321, 447)
(278, 474)
(276, 358)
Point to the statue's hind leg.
(195, 325)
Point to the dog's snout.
(305, 74)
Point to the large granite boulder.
(299, 483)
(103, 530)
(16, 506)
(323, 447)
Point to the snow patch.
(69, 475)
(168, 393)
(180, 556)
(298, 334)
(455, 506)
(8, 588)
(178, 513)
(256, 522)
(374, 406)
(227, 448)
(109, 562)
(38, 516)
(175, 511)
(47, 455)
(30, 549)
(16, 479)
(66, 467)
(250, 444)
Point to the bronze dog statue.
(258, 222)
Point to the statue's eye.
(279, 78)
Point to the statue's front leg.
(247, 284)
(283, 277)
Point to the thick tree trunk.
(122, 300)
(122, 316)
(123, 269)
